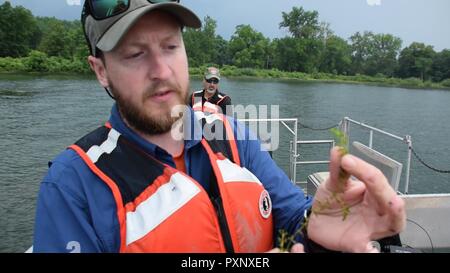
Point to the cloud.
(374, 2)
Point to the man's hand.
(375, 209)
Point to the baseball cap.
(212, 72)
(106, 33)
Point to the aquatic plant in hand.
(337, 196)
(285, 240)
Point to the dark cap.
(105, 34)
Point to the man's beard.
(142, 121)
(211, 91)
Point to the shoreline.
(254, 74)
(411, 83)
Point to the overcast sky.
(426, 21)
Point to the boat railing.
(291, 124)
(331, 143)
(427, 214)
(407, 140)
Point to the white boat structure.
(428, 215)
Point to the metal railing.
(345, 126)
(315, 142)
(292, 150)
(303, 184)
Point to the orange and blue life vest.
(162, 209)
(210, 106)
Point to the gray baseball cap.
(212, 72)
(105, 34)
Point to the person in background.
(209, 99)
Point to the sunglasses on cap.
(212, 80)
(102, 9)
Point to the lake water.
(41, 115)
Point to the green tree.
(302, 52)
(301, 23)
(56, 42)
(292, 54)
(270, 57)
(384, 59)
(62, 38)
(440, 69)
(416, 61)
(193, 43)
(375, 53)
(336, 57)
(249, 48)
(18, 31)
(77, 47)
(202, 45)
(286, 54)
(325, 31)
(361, 50)
(223, 56)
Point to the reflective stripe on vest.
(160, 209)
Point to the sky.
(425, 21)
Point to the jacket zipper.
(224, 229)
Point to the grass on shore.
(40, 63)
(379, 80)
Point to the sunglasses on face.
(102, 9)
(212, 80)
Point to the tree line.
(29, 43)
(311, 46)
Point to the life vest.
(207, 107)
(161, 209)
